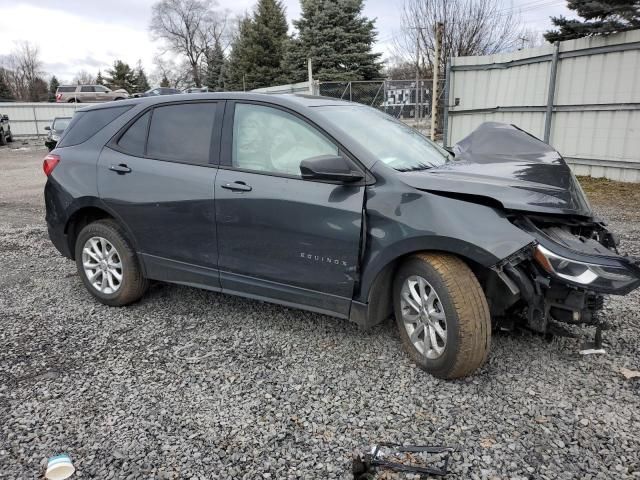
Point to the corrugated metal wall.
(31, 118)
(594, 120)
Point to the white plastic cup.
(59, 468)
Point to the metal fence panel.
(302, 87)
(28, 119)
(594, 118)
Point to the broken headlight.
(602, 278)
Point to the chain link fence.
(399, 98)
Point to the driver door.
(280, 237)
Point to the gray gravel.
(189, 383)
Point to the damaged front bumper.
(562, 276)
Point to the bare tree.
(177, 75)
(84, 78)
(23, 71)
(189, 28)
(471, 27)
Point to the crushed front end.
(562, 276)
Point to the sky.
(74, 35)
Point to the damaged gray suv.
(336, 208)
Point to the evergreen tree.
(141, 82)
(99, 78)
(238, 65)
(600, 17)
(5, 90)
(215, 68)
(53, 86)
(258, 50)
(337, 38)
(121, 76)
(164, 82)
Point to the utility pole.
(434, 90)
(310, 73)
(417, 76)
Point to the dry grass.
(601, 191)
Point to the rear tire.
(108, 264)
(9, 138)
(444, 323)
(3, 141)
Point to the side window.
(86, 89)
(270, 140)
(100, 88)
(182, 132)
(134, 139)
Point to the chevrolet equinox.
(336, 208)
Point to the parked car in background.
(55, 130)
(153, 92)
(5, 130)
(336, 208)
(88, 93)
(196, 90)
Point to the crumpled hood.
(506, 164)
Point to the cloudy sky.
(75, 35)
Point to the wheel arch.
(377, 280)
(87, 213)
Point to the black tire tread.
(136, 285)
(474, 333)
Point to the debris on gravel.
(194, 384)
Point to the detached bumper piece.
(402, 458)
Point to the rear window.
(182, 133)
(85, 125)
(66, 89)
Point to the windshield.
(59, 124)
(391, 141)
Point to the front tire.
(442, 315)
(108, 264)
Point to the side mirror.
(329, 167)
(47, 127)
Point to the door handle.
(237, 187)
(120, 169)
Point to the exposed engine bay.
(563, 276)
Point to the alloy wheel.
(102, 265)
(423, 317)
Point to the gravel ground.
(189, 383)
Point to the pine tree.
(215, 68)
(238, 64)
(5, 91)
(99, 78)
(121, 76)
(53, 86)
(141, 82)
(337, 38)
(258, 51)
(600, 17)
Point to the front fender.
(402, 220)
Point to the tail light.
(58, 97)
(50, 162)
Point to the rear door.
(279, 236)
(87, 93)
(158, 176)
